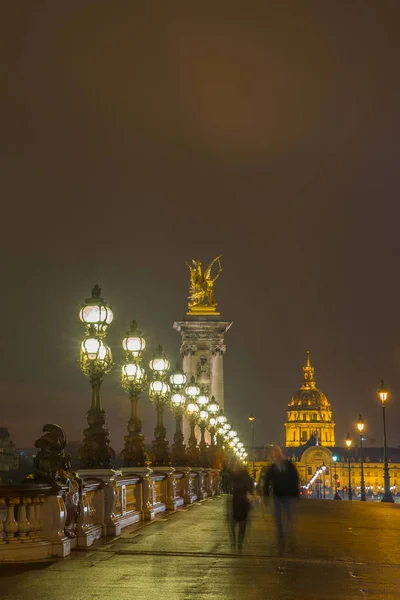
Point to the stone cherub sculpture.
(202, 283)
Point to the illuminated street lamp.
(383, 394)
(177, 382)
(134, 381)
(214, 413)
(337, 495)
(192, 392)
(348, 441)
(159, 394)
(360, 426)
(323, 469)
(95, 360)
(202, 421)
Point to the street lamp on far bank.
(335, 476)
(383, 394)
(252, 420)
(348, 441)
(95, 360)
(360, 426)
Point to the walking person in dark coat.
(283, 480)
(242, 489)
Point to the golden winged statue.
(201, 297)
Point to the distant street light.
(323, 469)
(348, 441)
(337, 495)
(252, 420)
(360, 426)
(383, 394)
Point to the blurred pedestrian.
(242, 489)
(283, 480)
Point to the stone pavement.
(342, 550)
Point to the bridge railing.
(40, 520)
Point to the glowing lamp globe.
(383, 392)
(221, 418)
(203, 399)
(178, 378)
(134, 341)
(213, 407)
(192, 408)
(133, 373)
(178, 400)
(203, 414)
(95, 313)
(212, 421)
(159, 363)
(94, 349)
(227, 427)
(158, 389)
(192, 390)
(232, 433)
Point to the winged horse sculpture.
(202, 283)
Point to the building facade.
(310, 444)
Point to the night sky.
(138, 135)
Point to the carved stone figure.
(53, 465)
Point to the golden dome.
(308, 396)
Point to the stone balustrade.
(22, 521)
(39, 520)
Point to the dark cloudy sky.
(137, 135)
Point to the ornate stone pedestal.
(203, 349)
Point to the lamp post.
(96, 361)
(252, 420)
(360, 426)
(213, 411)
(192, 392)
(383, 394)
(134, 381)
(177, 382)
(337, 495)
(159, 394)
(323, 469)
(202, 421)
(348, 441)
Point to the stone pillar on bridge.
(202, 351)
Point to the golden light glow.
(360, 424)
(134, 344)
(92, 315)
(133, 372)
(383, 392)
(348, 441)
(251, 417)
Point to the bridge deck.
(342, 550)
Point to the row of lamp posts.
(383, 394)
(173, 390)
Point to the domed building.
(309, 414)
